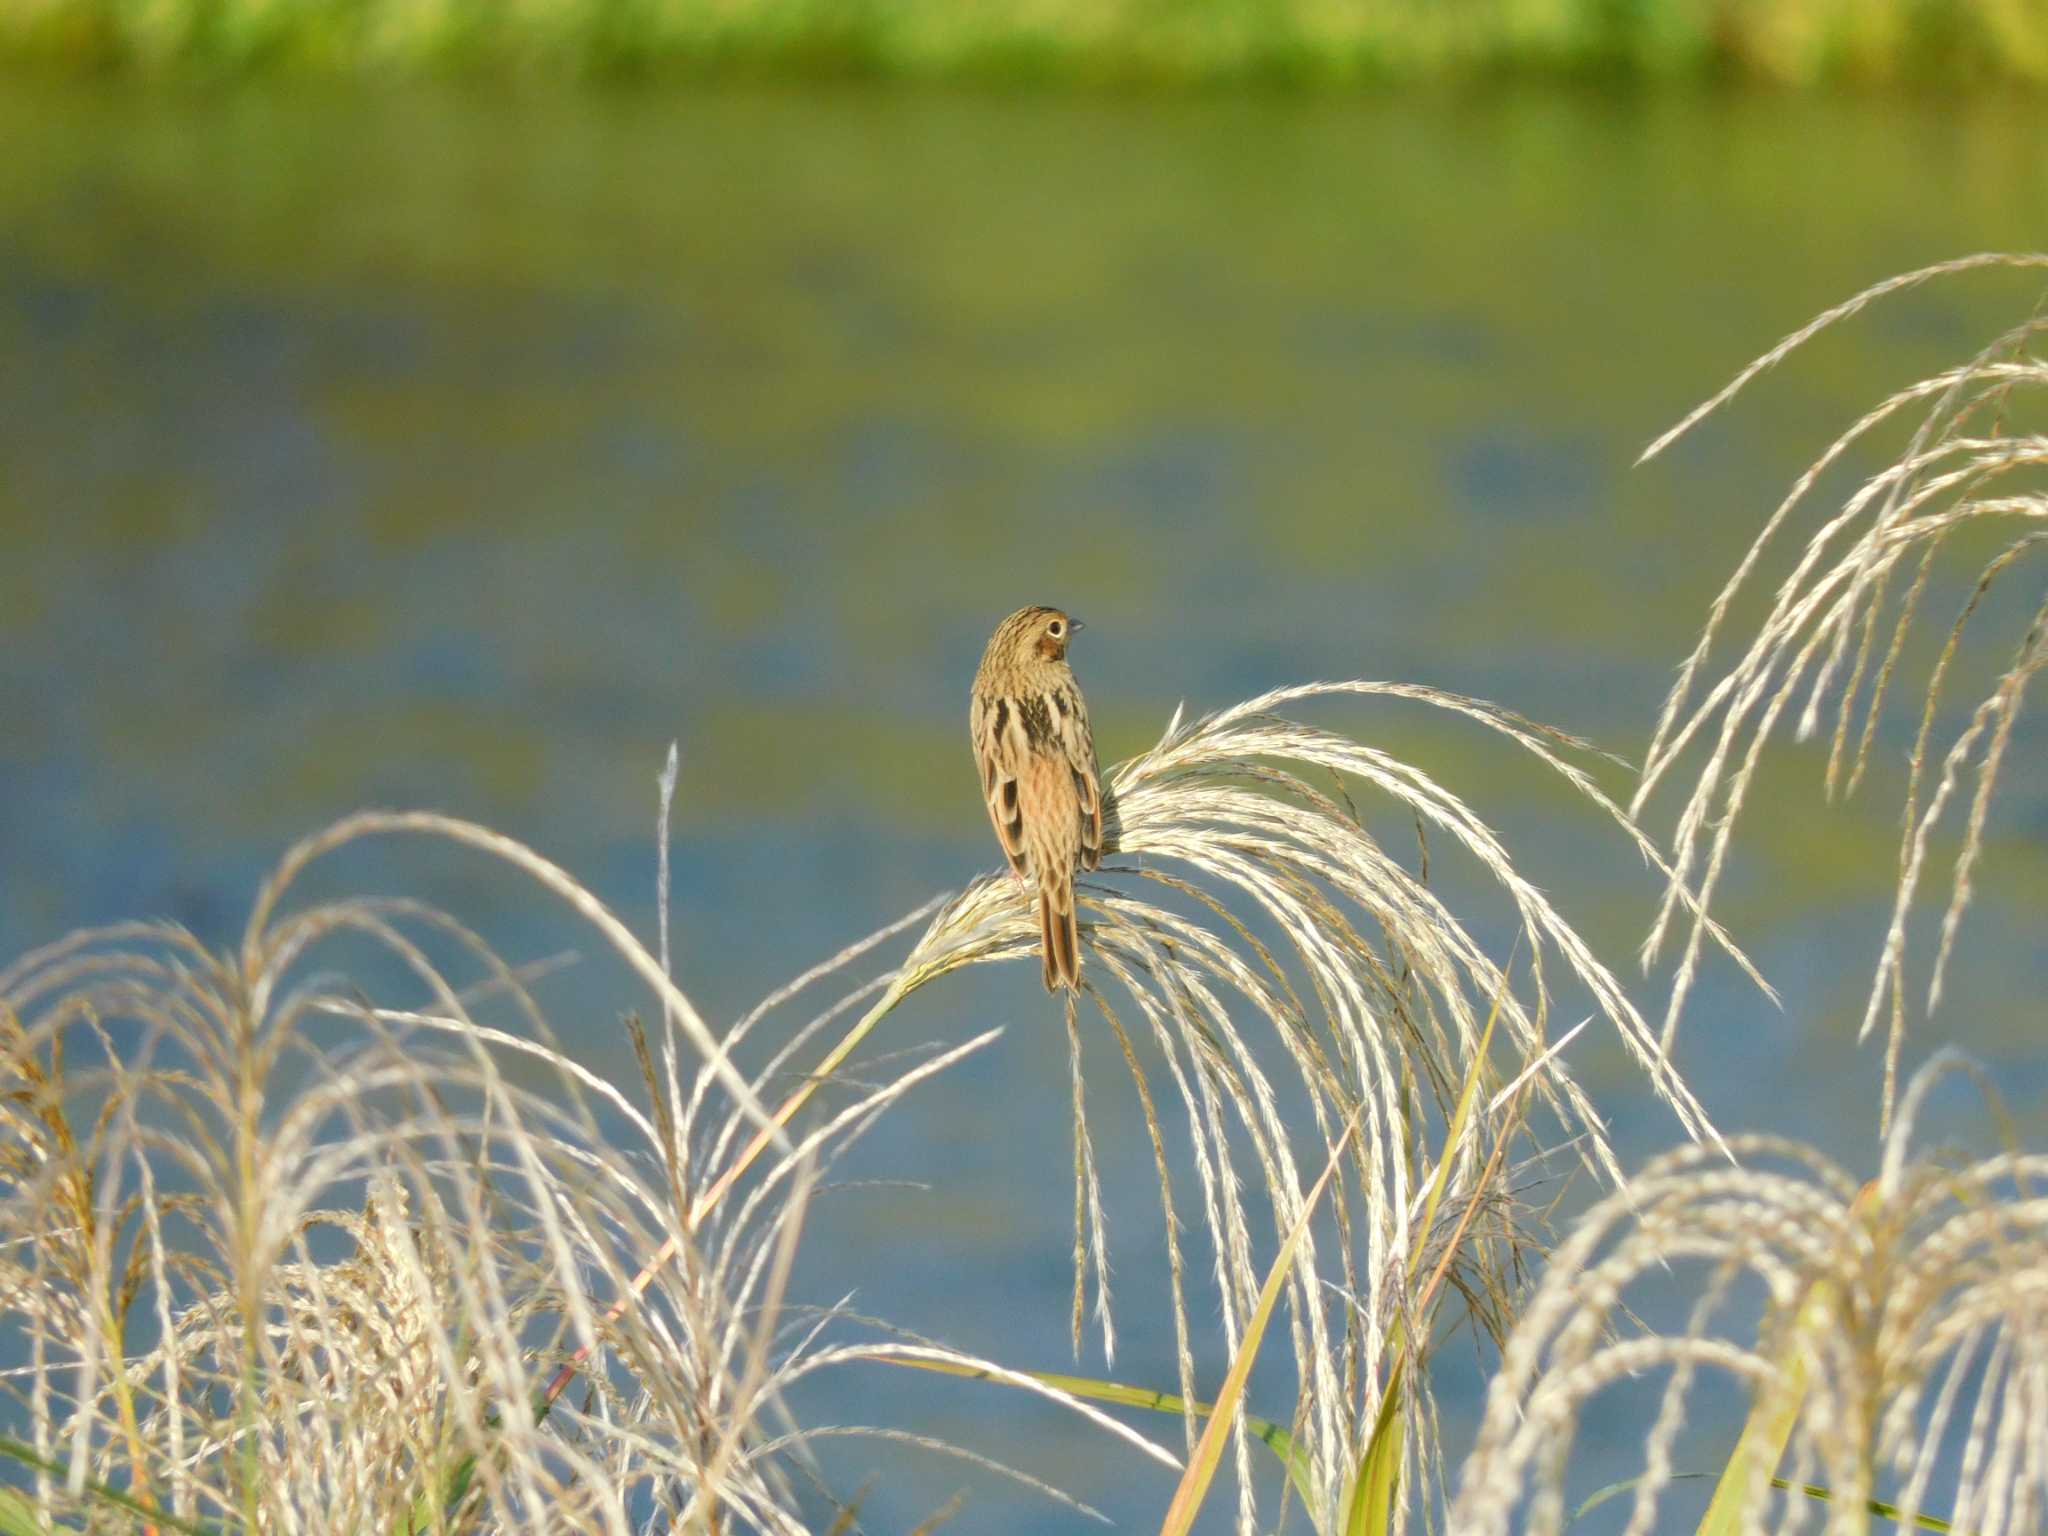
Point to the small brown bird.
(1037, 762)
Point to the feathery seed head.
(1878, 561)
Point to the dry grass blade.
(258, 964)
(1974, 468)
(1823, 321)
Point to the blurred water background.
(460, 446)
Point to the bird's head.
(1042, 633)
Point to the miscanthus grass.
(1374, 999)
(1830, 648)
(330, 1227)
(277, 1256)
(328, 1231)
(1900, 1351)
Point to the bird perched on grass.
(1037, 761)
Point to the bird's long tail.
(1059, 933)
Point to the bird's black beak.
(1074, 625)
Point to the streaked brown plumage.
(1038, 776)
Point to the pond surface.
(461, 450)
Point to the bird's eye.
(1056, 628)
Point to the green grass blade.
(99, 1492)
(1454, 1133)
(1764, 1437)
(1201, 1468)
(1370, 1509)
(435, 1506)
(1877, 1507)
(1771, 1420)
(1369, 1501)
(1269, 1434)
(1608, 1491)
(18, 1517)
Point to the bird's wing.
(1077, 745)
(998, 743)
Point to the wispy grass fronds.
(348, 1237)
(1901, 1338)
(1976, 463)
(1277, 953)
(293, 1237)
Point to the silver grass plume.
(1377, 996)
(1902, 1336)
(487, 1219)
(1838, 625)
(281, 1254)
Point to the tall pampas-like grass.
(324, 1253)
(1976, 461)
(1247, 909)
(1901, 1340)
(284, 1257)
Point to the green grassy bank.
(1077, 41)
